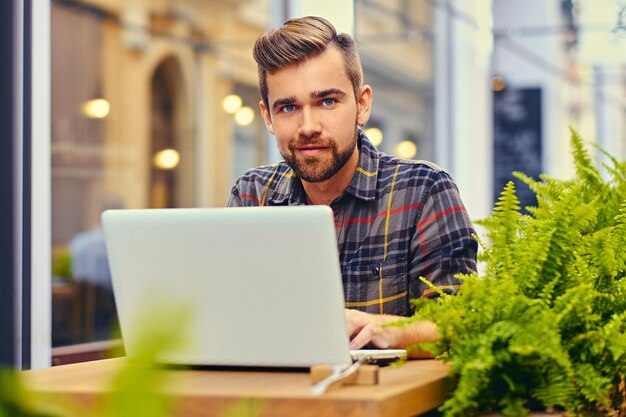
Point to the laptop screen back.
(262, 285)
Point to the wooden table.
(416, 387)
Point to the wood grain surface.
(414, 388)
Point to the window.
(395, 42)
(138, 122)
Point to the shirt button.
(375, 271)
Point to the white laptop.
(261, 285)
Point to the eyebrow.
(328, 92)
(283, 102)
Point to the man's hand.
(365, 328)
(373, 330)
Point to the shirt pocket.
(378, 287)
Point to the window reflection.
(250, 140)
(157, 106)
(167, 135)
(80, 286)
(395, 43)
(137, 122)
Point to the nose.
(309, 123)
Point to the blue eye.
(328, 102)
(288, 108)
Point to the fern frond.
(484, 255)
(619, 236)
(433, 287)
(592, 384)
(601, 248)
(504, 219)
(586, 172)
(530, 181)
(559, 219)
(574, 306)
(614, 332)
(549, 189)
(483, 245)
(532, 260)
(555, 387)
(617, 170)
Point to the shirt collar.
(365, 179)
(363, 184)
(287, 188)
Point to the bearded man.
(396, 220)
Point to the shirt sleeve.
(234, 200)
(442, 245)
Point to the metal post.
(11, 54)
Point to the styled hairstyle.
(299, 39)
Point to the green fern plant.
(137, 388)
(543, 326)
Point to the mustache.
(319, 141)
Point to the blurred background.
(154, 103)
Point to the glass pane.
(81, 298)
(138, 122)
(395, 43)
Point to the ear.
(266, 117)
(364, 104)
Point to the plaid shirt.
(397, 220)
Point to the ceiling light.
(375, 135)
(167, 159)
(232, 103)
(406, 149)
(244, 116)
(96, 109)
(497, 83)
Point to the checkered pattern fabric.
(397, 220)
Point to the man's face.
(314, 115)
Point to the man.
(396, 220)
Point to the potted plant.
(542, 326)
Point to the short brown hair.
(299, 39)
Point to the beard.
(321, 167)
